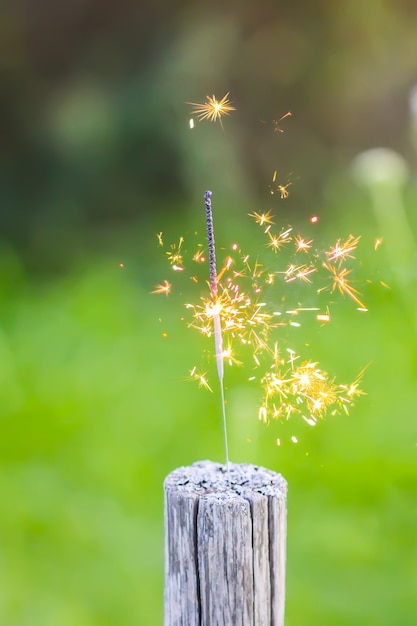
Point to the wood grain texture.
(224, 546)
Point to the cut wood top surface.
(206, 477)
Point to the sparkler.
(216, 308)
(236, 311)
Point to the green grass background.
(95, 412)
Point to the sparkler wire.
(216, 318)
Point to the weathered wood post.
(224, 546)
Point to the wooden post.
(224, 546)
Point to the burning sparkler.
(237, 312)
(215, 312)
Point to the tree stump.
(225, 546)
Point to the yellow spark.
(277, 241)
(377, 243)
(323, 317)
(292, 359)
(301, 245)
(199, 256)
(213, 109)
(303, 390)
(228, 356)
(283, 190)
(227, 265)
(164, 288)
(277, 129)
(299, 271)
(341, 250)
(200, 378)
(242, 318)
(175, 256)
(262, 218)
(263, 414)
(353, 389)
(341, 282)
(159, 236)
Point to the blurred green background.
(97, 157)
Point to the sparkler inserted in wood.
(216, 317)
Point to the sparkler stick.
(216, 318)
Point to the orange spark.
(199, 256)
(200, 378)
(213, 109)
(323, 317)
(299, 271)
(341, 282)
(283, 190)
(342, 250)
(276, 241)
(165, 288)
(175, 255)
(262, 218)
(302, 245)
(277, 129)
